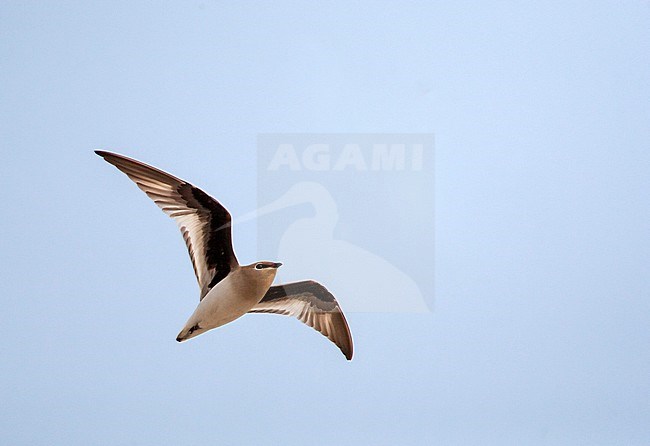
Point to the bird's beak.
(277, 265)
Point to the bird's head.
(264, 271)
(266, 268)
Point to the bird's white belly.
(223, 304)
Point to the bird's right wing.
(313, 305)
(203, 221)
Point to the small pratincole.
(229, 290)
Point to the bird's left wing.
(312, 304)
(203, 221)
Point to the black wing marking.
(312, 304)
(203, 221)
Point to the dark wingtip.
(101, 153)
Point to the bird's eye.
(259, 266)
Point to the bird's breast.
(227, 301)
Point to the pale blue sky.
(541, 325)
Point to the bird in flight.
(229, 290)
